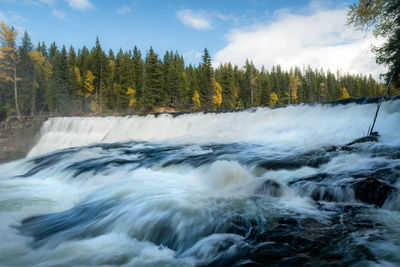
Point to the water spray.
(371, 128)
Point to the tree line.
(37, 78)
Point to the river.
(250, 188)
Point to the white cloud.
(192, 54)
(319, 39)
(14, 17)
(199, 20)
(59, 14)
(81, 5)
(124, 10)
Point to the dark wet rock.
(373, 191)
(270, 188)
(373, 137)
(323, 194)
(338, 148)
(313, 159)
(319, 177)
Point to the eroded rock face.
(372, 191)
(270, 188)
(16, 142)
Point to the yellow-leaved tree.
(196, 100)
(217, 94)
(381, 90)
(8, 59)
(273, 98)
(88, 86)
(78, 80)
(131, 94)
(88, 89)
(345, 94)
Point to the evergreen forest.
(67, 81)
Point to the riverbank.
(18, 139)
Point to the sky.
(267, 32)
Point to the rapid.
(249, 188)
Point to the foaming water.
(290, 127)
(250, 188)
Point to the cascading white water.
(254, 188)
(290, 127)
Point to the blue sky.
(268, 32)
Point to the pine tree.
(72, 73)
(138, 75)
(110, 83)
(124, 83)
(294, 83)
(225, 76)
(58, 93)
(265, 89)
(42, 71)
(205, 75)
(25, 66)
(154, 95)
(97, 63)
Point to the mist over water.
(251, 188)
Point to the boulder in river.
(271, 188)
(372, 191)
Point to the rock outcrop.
(19, 138)
(372, 191)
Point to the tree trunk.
(16, 91)
(101, 85)
(252, 95)
(33, 95)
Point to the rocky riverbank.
(18, 139)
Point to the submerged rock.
(372, 191)
(373, 137)
(271, 188)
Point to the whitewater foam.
(252, 187)
(287, 128)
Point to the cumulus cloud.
(192, 55)
(81, 5)
(124, 10)
(197, 20)
(59, 14)
(320, 40)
